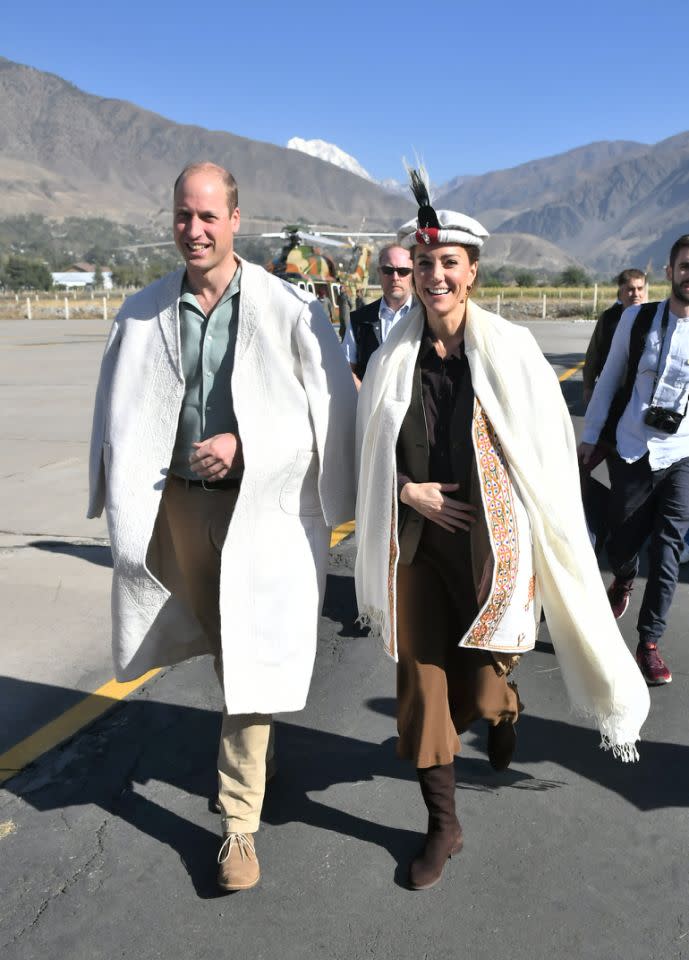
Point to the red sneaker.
(653, 668)
(619, 593)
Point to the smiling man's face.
(203, 226)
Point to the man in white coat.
(222, 453)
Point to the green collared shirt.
(208, 345)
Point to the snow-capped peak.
(394, 186)
(330, 153)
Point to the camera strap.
(663, 331)
(637, 341)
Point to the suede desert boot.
(238, 867)
(444, 835)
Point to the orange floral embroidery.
(502, 523)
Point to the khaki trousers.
(184, 555)
(442, 688)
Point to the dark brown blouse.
(448, 403)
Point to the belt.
(227, 483)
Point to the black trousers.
(649, 503)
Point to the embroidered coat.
(527, 466)
(295, 404)
(509, 617)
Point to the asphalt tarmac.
(107, 842)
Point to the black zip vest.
(365, 328)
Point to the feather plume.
(420, 187)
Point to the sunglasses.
(400, 271)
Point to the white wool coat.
(295, 404)
(519, 394)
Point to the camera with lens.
(667, 421)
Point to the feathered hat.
(441, 226)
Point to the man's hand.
(585, 451)
(213, 458)
(430, 501)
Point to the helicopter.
(301, 260)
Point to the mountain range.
(337, 156)
(609, 205)
(331, 153)
(66, 152)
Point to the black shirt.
(448, 403)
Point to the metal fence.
(514, 303)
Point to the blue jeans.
(653, 504)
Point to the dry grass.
(49, 306)
(515, 302)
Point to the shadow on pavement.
(142, 742)
(565, 360)
(91, 552)
(571, 388)
(652, 784)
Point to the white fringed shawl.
(521, 397)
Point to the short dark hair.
(473, 252)
(680, 242)
(228, 180)
(631, 274)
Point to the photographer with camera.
(642, 394)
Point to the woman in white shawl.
(468, 519)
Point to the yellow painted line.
(96, 704)
(65, 726)
(570, 373)
(92, 707)
(339, 533)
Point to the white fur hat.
(453, 228)
(441, 226)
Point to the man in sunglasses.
(371, 325)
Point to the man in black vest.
(632, 288)
(644, 387)
(370, 326)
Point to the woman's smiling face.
(443, 274)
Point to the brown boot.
(238, 867)
(502, 739)
(444, 835)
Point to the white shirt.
(388, 318)
(634, 437)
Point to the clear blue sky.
(471, 86)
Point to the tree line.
(31, 247)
